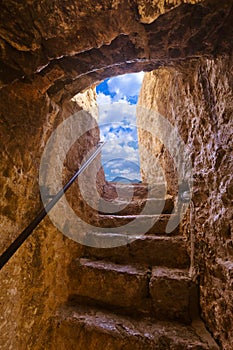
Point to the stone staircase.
(135, 296)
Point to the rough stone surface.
(150, 10)
(196, 97)
(31, 282)
(119, 286)
(144, 249)
(49, 52)
(153, 224)
(89, 328)
(163, 293)
(131, 286)
(170, 290)
(121, 207)
(154, 156)
(87, 100)
(62, 53)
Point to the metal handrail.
(16, 244)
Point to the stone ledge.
(90, 328)
(153, 224)
(122, 286)
(144, 249)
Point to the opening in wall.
(117, 99)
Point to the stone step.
(134, 224)
(162, 293)
(120, 286)
(116, 190)
(150, 250)
(149, 206)
(137, 190)
(173, 294)
(87, 328)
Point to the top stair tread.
(139, 190)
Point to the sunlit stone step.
(161, 292)
(135, 207)
(136, 190)
(154, 224)
(122, 286)
(89, 328)
(173, 294)
(143, 249)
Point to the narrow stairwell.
(135, 296)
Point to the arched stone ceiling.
(64, 46)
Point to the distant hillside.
(124, 180)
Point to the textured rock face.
(49, 52)
(89, 328)
(197, 99)
(87, 100)
(150, 10)
(64, 47)
(35, 281)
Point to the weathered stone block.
(111, 284)
(150, 250)
(85, 328)
(152, 224)
(170, 293)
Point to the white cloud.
(103, 99)
(117, 112)
(125, 85)
(117, 121)
(130, 174)
(114, 150)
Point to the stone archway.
(62, 44)
(51, 51)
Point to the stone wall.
(196, 97)
(64, 46)
(50, 51)
(35, 280)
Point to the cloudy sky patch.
(117, 98)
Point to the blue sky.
(117, 98)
